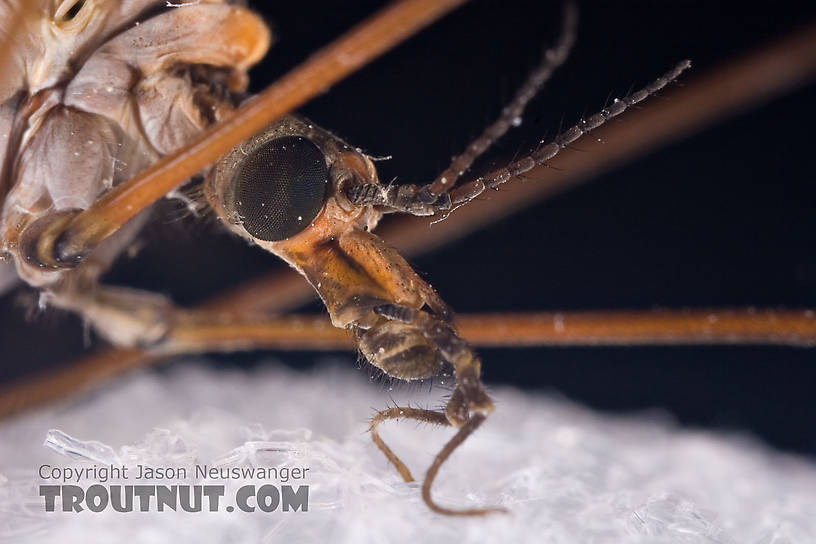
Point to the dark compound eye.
(280, 187)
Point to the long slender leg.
(195, 331)
(134, 318)
(427, 416)
(464, 432)
(437, 418)
(223, 330)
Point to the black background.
(721, 218)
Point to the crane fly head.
(283, 188)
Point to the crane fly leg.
(133, 318)
(419, 414)
(435, 418)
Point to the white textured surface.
(568, 474)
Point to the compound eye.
(280, 187)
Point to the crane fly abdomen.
(400, 351)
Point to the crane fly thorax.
(284, 190)
(98, 91)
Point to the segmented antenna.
(471, 190)
(510, 115)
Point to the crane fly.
(400, 324)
